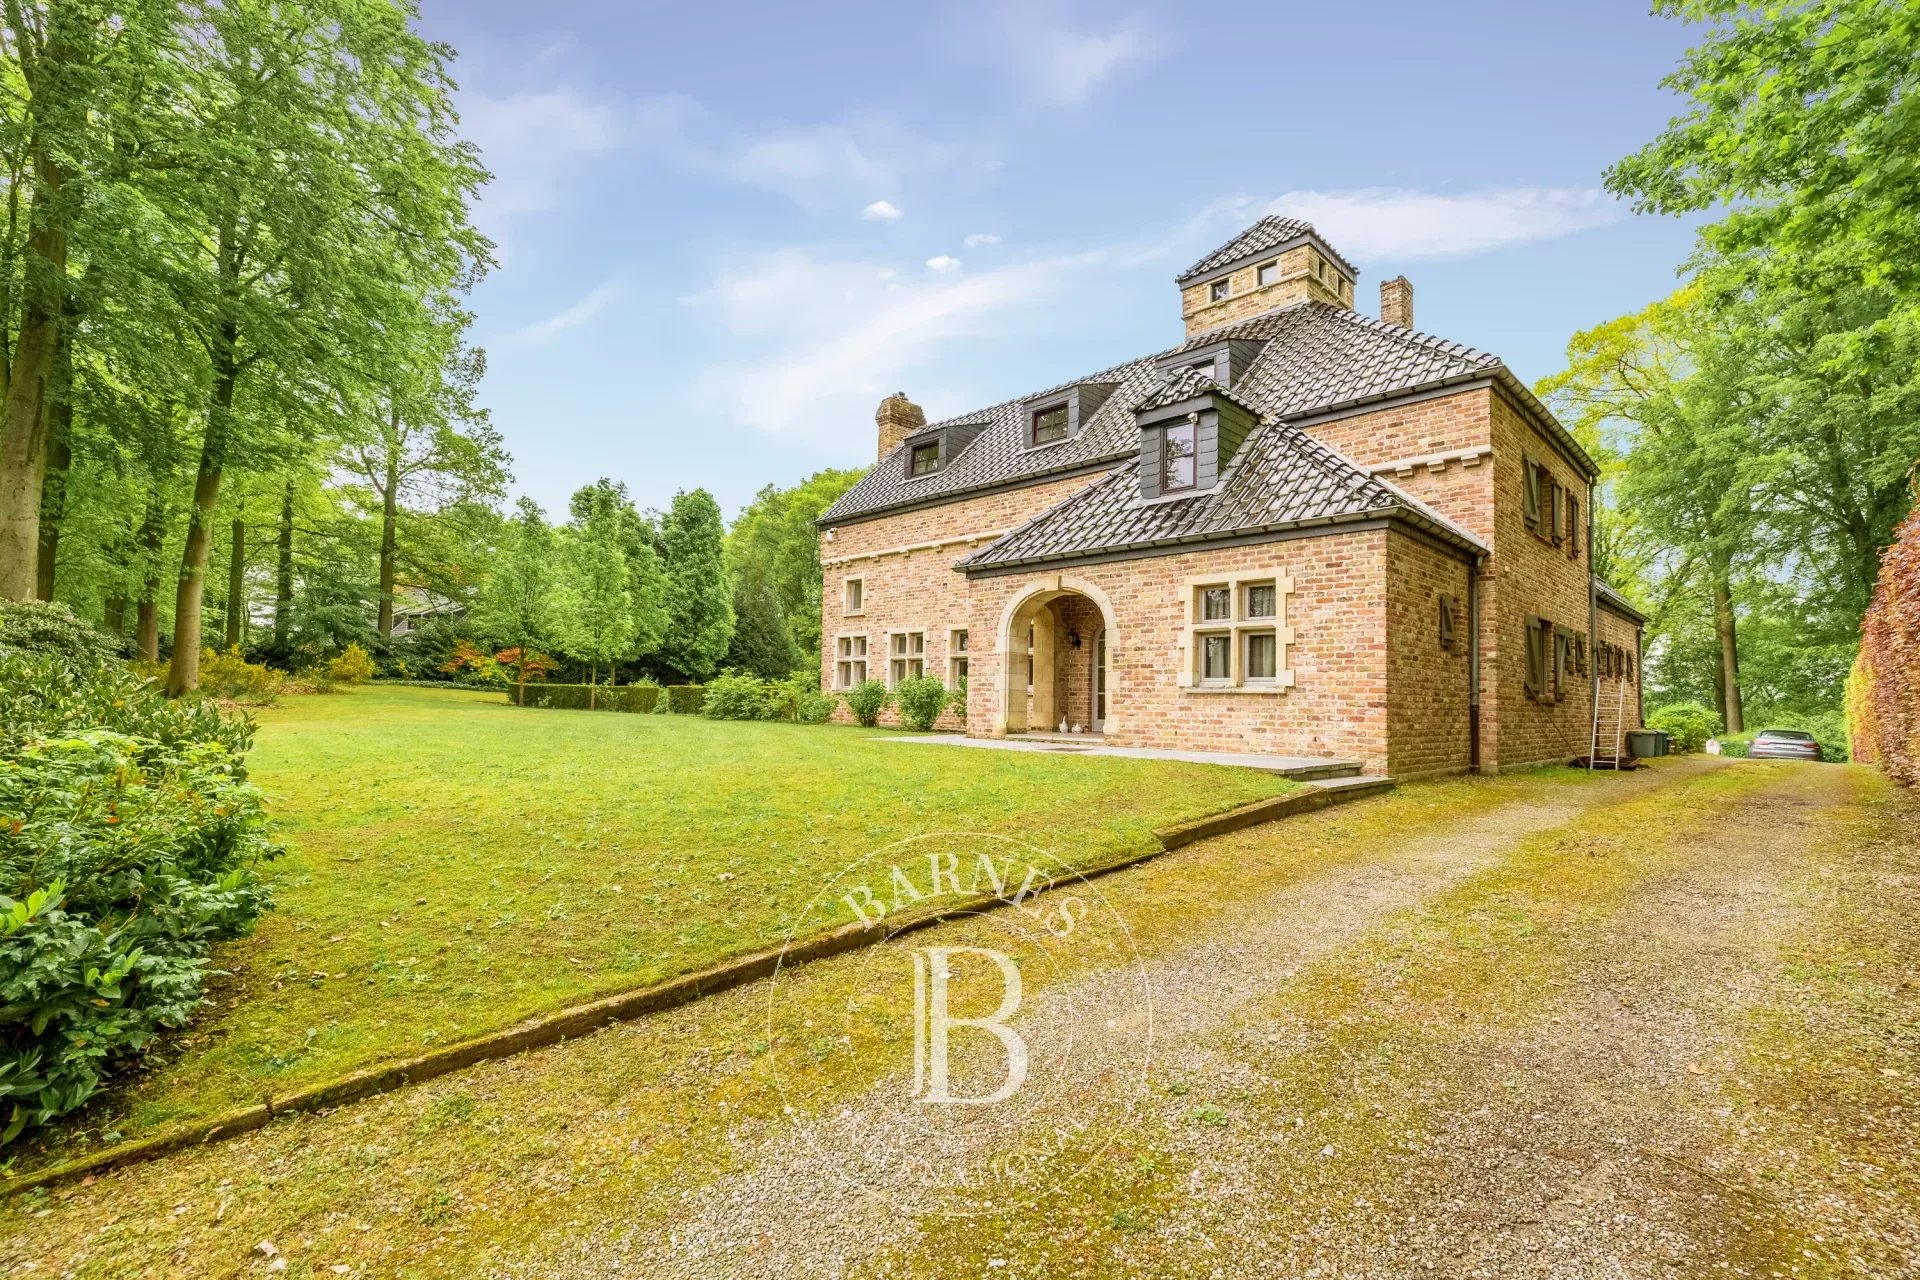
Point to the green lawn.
(456, 864)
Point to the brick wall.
(1337, 613)
(911, 585)
(1429, 690)
(1245, 296)
(1620, 708)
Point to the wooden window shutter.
(1536, 654)
(1447, 607)
(1562, 653)
(1573, 527)
(1530, 470)
(1558, 505)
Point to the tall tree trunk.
(52, 83)
(58, 406)
(1723, 626)
(389, 514)
(146, 627)
(237, 587)
(283, 574)
(183, 673)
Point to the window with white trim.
(1237, 634)
(849, 661)
(956, 656)
(906, 656)
(853, 596)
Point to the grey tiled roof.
(1317, 356)
(1186, 384)
(1263, 235)
(1282, 478)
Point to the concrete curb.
(1249, 815)
(584, 1019)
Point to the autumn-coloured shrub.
(1883, 693)
(352, 665)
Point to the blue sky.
(726, 231)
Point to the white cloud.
(944, 264)
(1061, 66)
(1394, 223)
(536, 142)
(819, 340)
(980, 239)
(883, 211)
(571, 318)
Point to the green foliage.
(36, 627)
(775, 539)
(699, 600)
(517, 609)
(1688, 725)
(596, 613)
(738, 695)
(129, 841)
(867, 700)
(760, 640)
(686, 699)
(921, 699)
(352, 665)
(640, 698)
(798, 698)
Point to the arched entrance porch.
(1058, 643)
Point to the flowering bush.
(226, 674)
(130, 840)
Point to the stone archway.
(1056, 610)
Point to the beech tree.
(596, 613)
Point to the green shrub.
(35, 626)
(575, 697)
(921, 699)
(867, 700)
(226, 674)
(814, 707)
(686, 699)
(738, 695)
(1688, 725)
(130, 840)
(1734, 745)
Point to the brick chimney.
(897, 418)
(1396, 302)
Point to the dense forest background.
(240, 405)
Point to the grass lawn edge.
(574, 1021)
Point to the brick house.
(1301, 531)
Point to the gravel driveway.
(1660, 1024)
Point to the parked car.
(1783, 744)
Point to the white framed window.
(1237, 634)
(906, 656)
(849, 661)
(853, 596)
(956, 656)
(1216, 657)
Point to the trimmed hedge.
(686, 699)
(574, 697)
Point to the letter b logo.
(932, 1023)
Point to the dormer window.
(1050, 425)
(925, 459)
(1178, 451)
(1217, 291)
